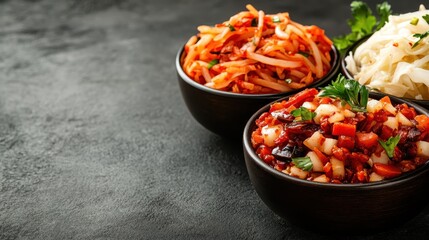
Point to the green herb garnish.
(212, 63)
(349, 91)
(414, 21)
(288, 80)
(426, 18)
(231, 28)
(304, 113)
(276, 19)
(305, 54)
(362, 23)
(420, 36)
(390, 144)
(303, 162)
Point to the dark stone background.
(96, 142)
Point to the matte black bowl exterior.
(347, 74)
(226, 113)
(324, 207)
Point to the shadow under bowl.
(349, 75)
(226, 113)
(333, 208)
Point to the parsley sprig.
(390, 144)
(304, 113)
(362, 23)
(303, 163)
(349, 91)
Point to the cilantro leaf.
(304, 113)
(303, 163)
(212, 63)
(305, 54)
(362, 23)
(384, 11)
(231, 28)
(390, 144)
(420, 36)
(349, 91)
(426, 18)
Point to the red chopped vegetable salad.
(340, 135)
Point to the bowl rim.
(332, 73)
(250, 126)
(347, 73)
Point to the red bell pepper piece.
(340, 128)
(387, 171)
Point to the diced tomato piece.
(325, 100)
(360, 157)
(346, 142)
(327, 168)
(340, 128)
(422, 122)
(321, 156)
(408, 112)
(380, 116)
(276, 106)
(263, 150)
(362, 176)
(387, 171)
(385, 99)
(386, 132)
(366, 140)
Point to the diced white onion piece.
(327, 145)
(422, 149)
(389, 108)
(270, 134)
(298, 172)
(309, 105)
(322, 178)
(323, 110)
(317, 163)
(383, 158)
(403, 120)
(348, 113)
(315, 141)
(374, 105)
(391, 122)
(338, 171)
(337, 117)
(374, 177)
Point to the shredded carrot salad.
(257, 53)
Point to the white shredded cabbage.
(388, 62)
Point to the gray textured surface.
(96, 142)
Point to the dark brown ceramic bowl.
(226, 113)
(349, 75)
(326, 207)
